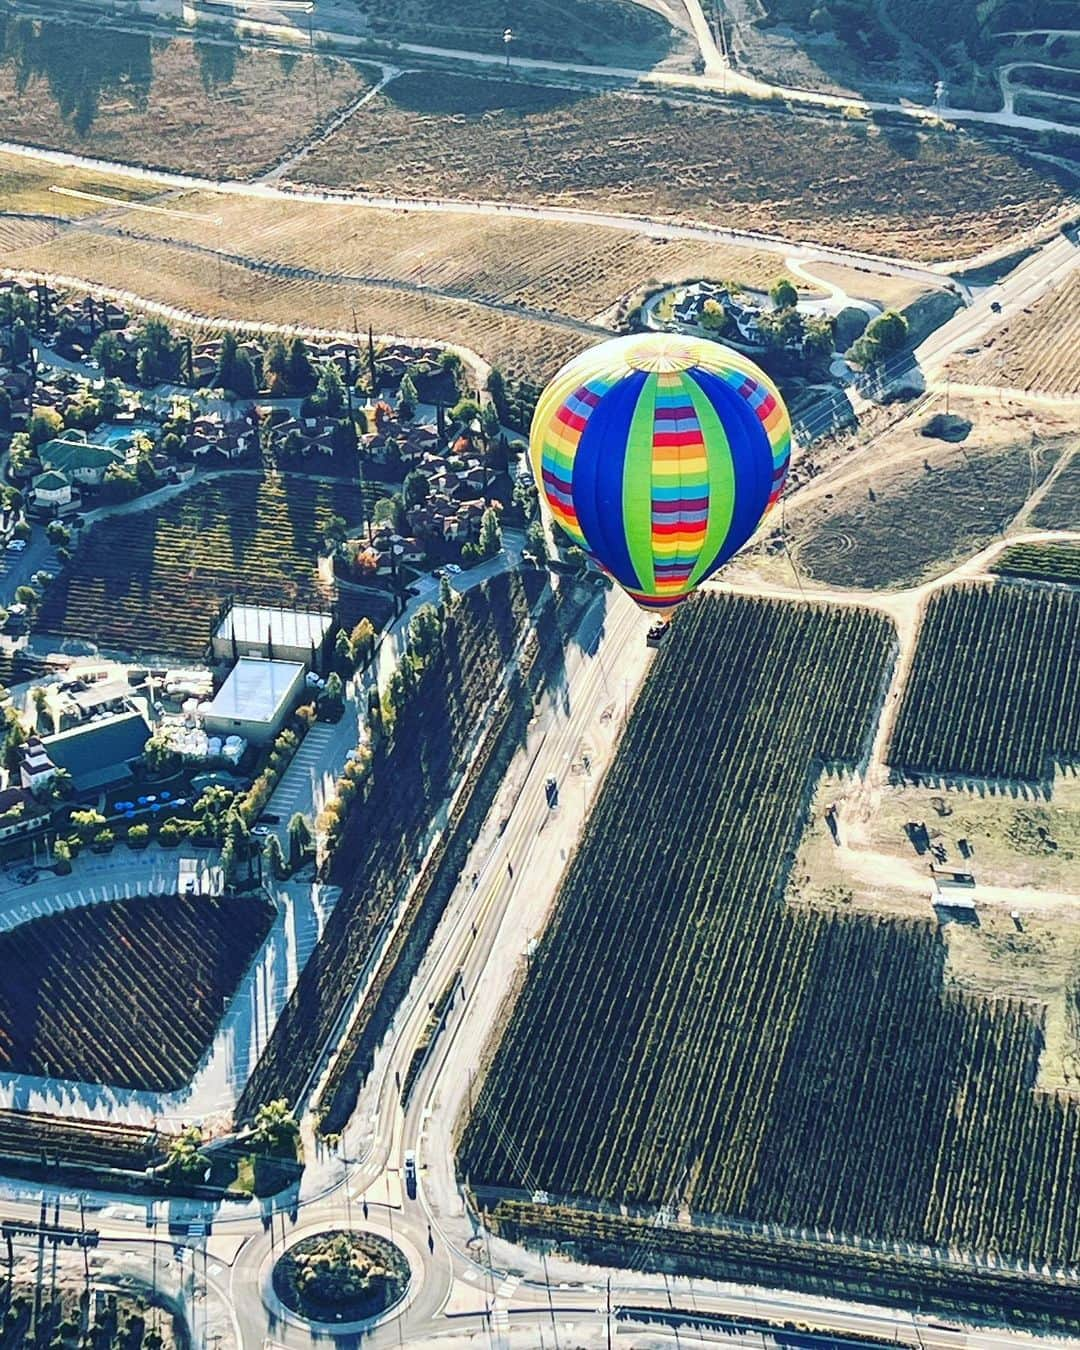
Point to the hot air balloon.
(659, 454)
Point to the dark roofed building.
(99, 752)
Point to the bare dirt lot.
(919, 194)
(1025, 848)
(919, 503)
(205, 107)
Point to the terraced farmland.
(127, 993)
(686, 1040)
(993, 691)
(1037, 350)
(151, 582)
(915, 194)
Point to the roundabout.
(340, 1278)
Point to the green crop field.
(686, 1040)
(127, 993)
(993, 691)
(1041, 562)
(151, 581)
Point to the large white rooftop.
(254, 690)
(285, 627)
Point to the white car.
(16, 545)
(453, 569)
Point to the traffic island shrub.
(341, 1277)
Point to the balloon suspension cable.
(784, 541)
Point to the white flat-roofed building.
(255, 700)
(273, 634)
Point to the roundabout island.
(341, 1276)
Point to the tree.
(329, 395)
(299, 835)
(408, 398)
(20, 342)
(343, 651)
(87, 823)
(425, 631)
(334, 532)
(390, 511)
(138, 836)
(274, 858)
(299, 375)
(465, 411)
(490, 534)
(783, 294)
(26, 595)
(111, 398)
(536, 539)
(331, 702)
(888, 332)
(110, 354)
(159, 754)
(57, 533)
(415, 489)
(122, 483)
(362, 641)
(277, 1130)
(234, 371)
(14, 737)
(62, 854)
(276, 367)
(40, 699)
(446, 594)
(157, 356)
(44, 425)
(183, 1161)
(525, 497)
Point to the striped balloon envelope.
(659, 455)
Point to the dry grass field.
(932, 195)
(25, 186)
(962, 496)
(589, 30)
(205, 107)
(523, 347)
(576, 270)
(1038, 349)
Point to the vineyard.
(382, 831)
(152, 581)
(924, 194)
(26, 1135)
(686, 1040)
(993, 690)
(517, 342)
(1038, 349)
(203, 107)
(1041, 562)
(127, 993)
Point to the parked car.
(16, 545)
(453, 569)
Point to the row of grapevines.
(995, 688)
